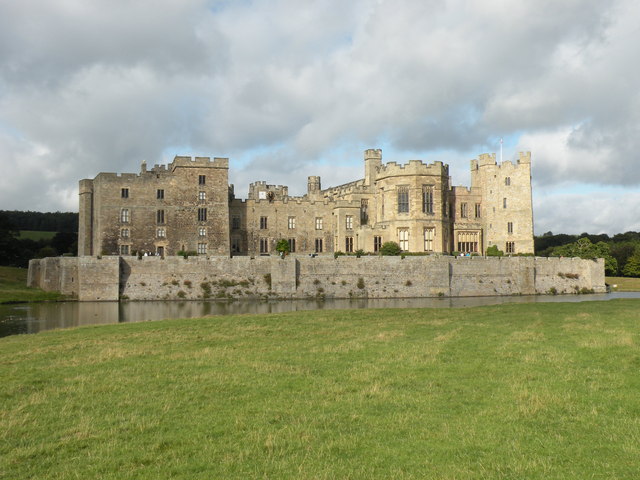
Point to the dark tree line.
(16, 251)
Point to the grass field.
(526, 391)
(36, 235)
(624, 284)
(13, 288)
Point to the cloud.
(289, 89)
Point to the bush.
(493, 251)
(390, 248)
(360, 283)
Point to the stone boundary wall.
(175, 278)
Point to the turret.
(372, 161)
(313, 185)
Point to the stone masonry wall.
(176, 278)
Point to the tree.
(632, 267)
(493, 251)
(283, 247)
(390, 248)
(583, 248)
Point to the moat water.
(38, 317)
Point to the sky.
(291, 88)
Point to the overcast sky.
(291, 88)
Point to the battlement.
(414, 167)
(486, 159)
(202, 162)
(262, 191)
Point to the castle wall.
(176, 278)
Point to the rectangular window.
(429, 234)
(291, 223)
(202, 248)
(202, 232)
(161, 233)
(507, 181)
(318, 223)
(160, 194)
(463, 210)
(427, 199)
(510, 247)
(504, 203)
(509, 227)
(377, 244)
(124, 215)
(478, 210)
(124, 249)
(202, 196)
(468, 242)
(202, 180)
(348, 244)
(403, 199)
(202, 214)
(318, 245)
(403, 239)
(235, 244)
(292, 244)
(364, 211)
(263, 223)
(349, 222)
(235, 222)
(124, 193)
(124, 233)
(160, 217)
(264, 245)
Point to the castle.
(190, 206)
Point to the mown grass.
(13, 288)
(526, 391)
(624, 284)
(36, 235)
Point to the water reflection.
(38, 317)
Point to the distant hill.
(66, 222)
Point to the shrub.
(359, 253)
(187, 253)
(182, 294)
(338, 254)
(493, 251)
(408, 283)
(267, 279)
(283, 246)
(360, 283)
(390, 248)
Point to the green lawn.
(624, 284)
(13, 288)
(527, 391)
(36, 235)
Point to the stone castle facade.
(190, 206)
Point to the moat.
(39, 317)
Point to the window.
(161, 233)
(403, 199)
(478, 210)
(507, 181)
(202, 232)
(235, 222)
(124, 215)
(403, 239)
(468, 242)
(124, 193)
(377, 244)
(235, 244)
(429, 234)
(291, 223)
(160, 217)
(264, 245)
(349, 222)
(427, 199)
(348, 244)
(364, 211)
(202, 180)
(463, 210)
(202, 214)
(124, 233)
(292, 244)
(504, 203)
(160, 194)
(318, 223)
(510, 247)
(263, 223)
(202, 196)
(202, 248)
(318, 245)
(509, 227)
(124, 249)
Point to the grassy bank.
(624, 284)
(535, 391)
(13, 288)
